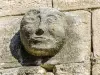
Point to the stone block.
(72, 69)
(96, 34)
(13, 7)
(9, 26)
(75, 4)
(96, 69)
(32, 70)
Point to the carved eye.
(51, 19)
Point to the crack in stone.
(92, 55)
(13, 15)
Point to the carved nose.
(39, 32)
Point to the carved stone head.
(43, 31)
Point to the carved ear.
(72, 18)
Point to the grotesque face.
(42, 31)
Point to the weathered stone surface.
(9, 65)
(49, 73)
(75, 4)
(96, 34)
(33, 70)
(78, 43)
(12, 7)
(77, 48)
(12, 71)
(96, 69)
(72, 69)
(9, 26)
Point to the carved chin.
(42, 52)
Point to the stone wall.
(82, 55)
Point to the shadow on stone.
(18, 51)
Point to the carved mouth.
(40, 41)
(41, 38)
(36, 41)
